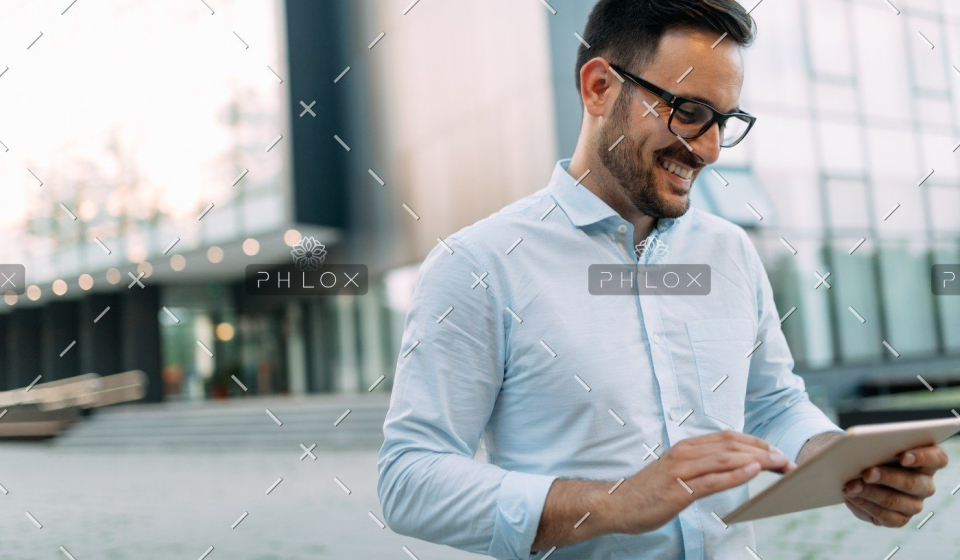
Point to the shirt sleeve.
(448, 376)
(778, 408)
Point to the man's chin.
(671, 212)
(673, 204)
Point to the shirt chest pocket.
(720, 351)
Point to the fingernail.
(854, 489)
(777, 456)
(909, 459)
(873, 475)
(752, 468)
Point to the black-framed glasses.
(690, 118)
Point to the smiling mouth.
(677, 169)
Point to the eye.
(685, 116)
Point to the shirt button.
(656, 339)
(622, 228)
(674, 415)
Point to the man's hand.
(692, 469)
(889, 495)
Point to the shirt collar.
(582, 206)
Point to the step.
(241, 422)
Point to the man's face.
(639, 163)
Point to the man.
(614, 426)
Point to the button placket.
(621, 231)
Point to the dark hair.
(628, 31)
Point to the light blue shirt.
(561, 383)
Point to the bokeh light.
(225, 332)
(215, 254)
(291, 237)
(59, 287)
(251, 247)
(178, 262)
(145, 268)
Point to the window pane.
(892, 154)
(841, 148)
(827, 29)
(926, 7)
(784, 164)
(951, 10)
(937, 155)
(783, 144)
(928, 66)
(777, 67)
(944, 207)
(836, 99)
(854, 285)
(908, 218)
(907, 299)
(848, 204)
(882, 62)
(952, 48)
(934, 112)
(809, 328)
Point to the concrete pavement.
(154, 503)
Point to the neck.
(601, 183)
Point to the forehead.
(717, 74)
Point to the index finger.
(732, 436)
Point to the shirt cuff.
(519, 506)
(792, 440)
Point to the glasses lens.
(688, 119)
(734, 130)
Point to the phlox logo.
(945, 279)
(307, 275)
(648, 279)
(657, 249)
(308, 254)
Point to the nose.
(707, 145)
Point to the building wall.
(464, 114)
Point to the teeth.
(676, 169)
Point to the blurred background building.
(377, 129)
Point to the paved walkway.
(834, 534)
(150, 505)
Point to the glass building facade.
(858, 102)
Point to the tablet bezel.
(943, 428)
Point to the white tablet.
(819, 481)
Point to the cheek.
(653, 136)
(661, 138)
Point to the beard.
(637, 177)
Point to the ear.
(599, 87)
